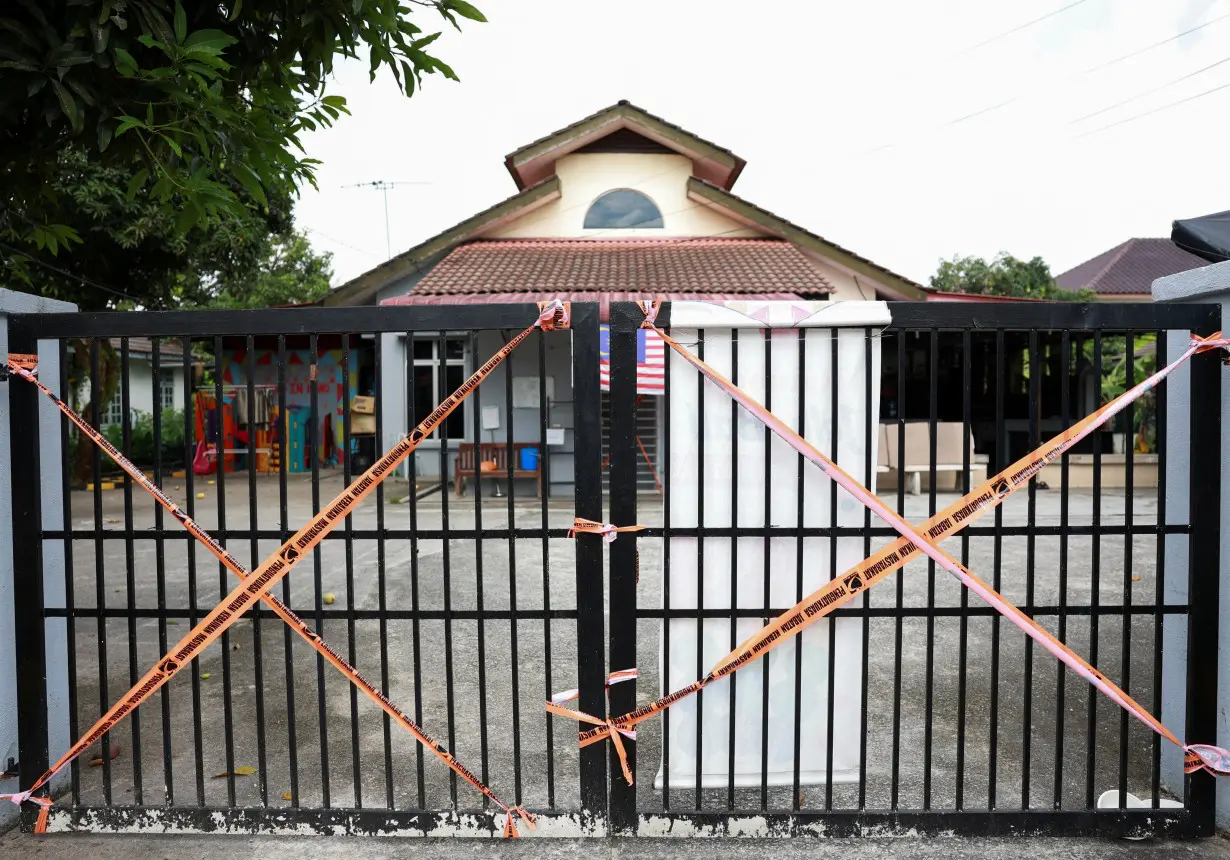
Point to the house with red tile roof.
(1126, 272)
(619, 205)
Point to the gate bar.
(1204, 570)
(587, 489)
(27, 519)
(625, 321)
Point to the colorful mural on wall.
(330, 385)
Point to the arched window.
(623, 209)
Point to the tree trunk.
(108, 382)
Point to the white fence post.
(1208, 285)
(53, 553)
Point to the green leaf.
(187, 217)
(465, 10)
(101, 35)
(210, 38)
(445, 69)
(181, 23)
(235, 9)
(68, 105)
(149, 113)
(82, 91)
(105, 13)
(104, 135)
(171, 142)
(338, 102)
(424, 42)
(124, 63)
(250, 181)
(127, 122)
(137, 182)
(22, 32)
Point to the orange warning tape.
(949, 521)
(614, 678)
(580, 525)
(552, 315)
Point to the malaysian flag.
(650, 361)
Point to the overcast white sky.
(844, 112)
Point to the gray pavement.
(75, 846)
(333, 750)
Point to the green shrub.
(141, 448)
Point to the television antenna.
(384, 186)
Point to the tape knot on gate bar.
(650, 310)
(580, 525)
(554, 315)
(612, 679)
(45, 803)
(1198, 757)
(606, 729)
(16, 363)
(1213, 341)
(510, 823)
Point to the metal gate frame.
(1196, 819)
(608, 805)
(32, 615)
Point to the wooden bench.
(465, 466)
(916, 460)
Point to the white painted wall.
(583, 178)
(141, 388)
(142, 393)
(847, 286)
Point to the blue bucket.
(529, 459)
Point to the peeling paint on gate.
(315, 822)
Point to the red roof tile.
(700, 267)
(1130, 268)
(603, 299)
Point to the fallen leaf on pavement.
(286, 795)
(242, 770)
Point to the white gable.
(586, 176)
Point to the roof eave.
(719, 164)
(359, 290)
(738, 208)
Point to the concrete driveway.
(332, 733)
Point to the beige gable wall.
(583, 178)
(845, 287)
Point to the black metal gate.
(467, 611)
(962, 727)
(471, 610)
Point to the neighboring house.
(143, 394)
(619, 205)
(1126, 272)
